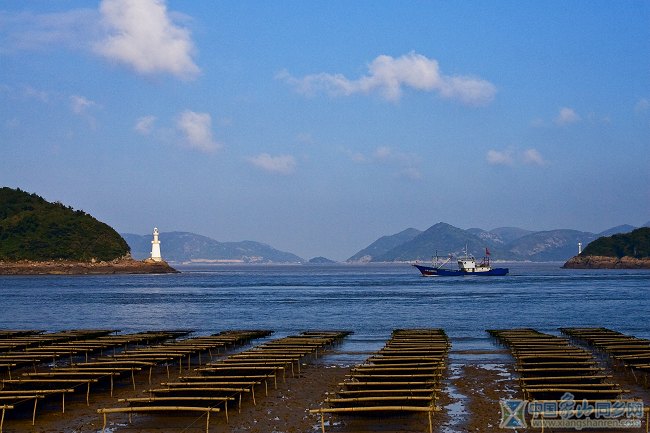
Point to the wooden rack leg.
(34, 413)
(88, 395)
(322, 422)
(2, 419)
(104, 426)
(207, 423)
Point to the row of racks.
(549, 366)
(567, 381)
(214, 374)
(66, 367)
(625, 351)
(404, 376)
(219, 384)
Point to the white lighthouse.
(155, 247)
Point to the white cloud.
(305, 138)
(281, 164)
(404, 164)
(537, 122)
(532, 156)
(383, 152)
(144, 125)
(410, 173)
(80, 105)
(355, 156)
(567, 116)
(33, 93)
(29, 31)
(197, 131)
(500, 157)
(642, 104)
(142, 35)
(513, 157)
(389, 76)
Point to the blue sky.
(317, 127)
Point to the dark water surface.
(370, 300)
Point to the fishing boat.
(466, 266)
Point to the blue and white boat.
(466, 266)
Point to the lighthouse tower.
(155, 247)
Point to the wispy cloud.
(196, 129)
(144, 125)
(642, 105)
(512, 157)
(140, 34)
(143, 36)
(82, 107)
(389, 76)
(33, 93)
(533, 157)
(281, 164)
(80, 104)
(566, 116)
(500, 157)
(403, 164)
(29, 31)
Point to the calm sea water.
(370, 300)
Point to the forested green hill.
(634, 244)
(32, 228)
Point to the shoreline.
(603, 262)
(68, 267)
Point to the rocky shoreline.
(602, 262)
(66, 267)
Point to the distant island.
(619, 251)
(504, 244)
(39, 237)
(321, 261)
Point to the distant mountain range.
(505, 243)
(184, 247)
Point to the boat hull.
(430, 271)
